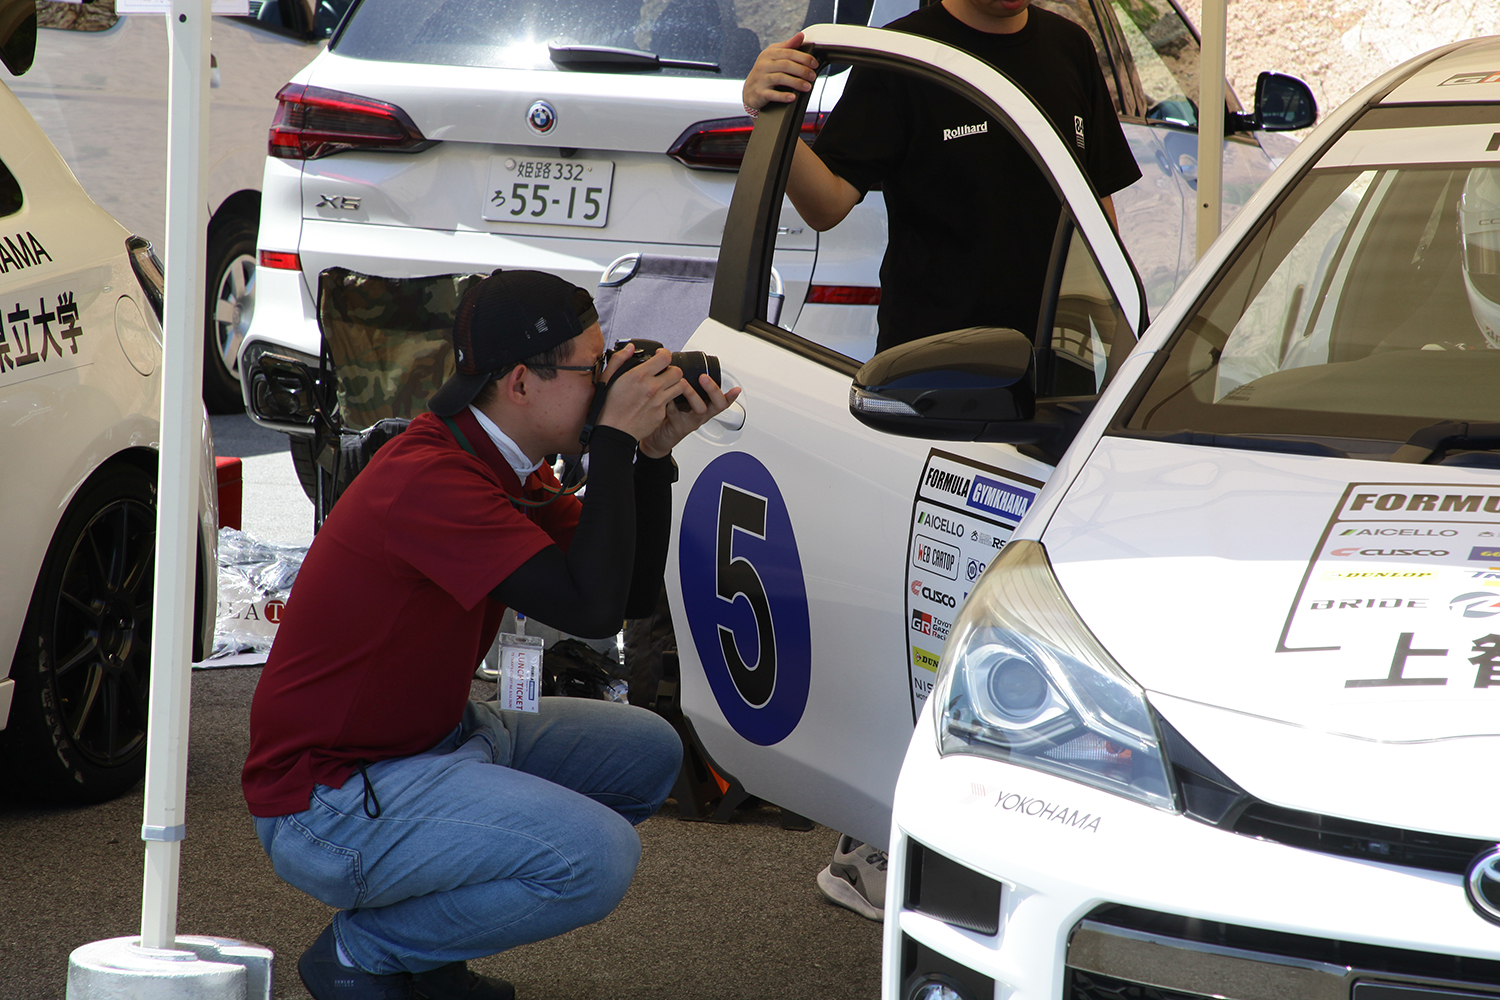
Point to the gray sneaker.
(856, 878)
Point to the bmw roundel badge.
(1482, 884)
(541, 117)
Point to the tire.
(77, 730)
(304, 464)
(230, 307)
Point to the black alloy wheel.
(77, 731)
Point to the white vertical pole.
(1214, 31)
(177, 479)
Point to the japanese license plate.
(551, 192)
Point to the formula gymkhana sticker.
(962, 515)
(1404, 588)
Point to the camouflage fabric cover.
(95, 16)
(389, 340)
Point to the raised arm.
(821, 197)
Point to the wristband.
(752, 112)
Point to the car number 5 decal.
(745, 599)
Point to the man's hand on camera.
(680, 423)
(778, 72)
(640, 398)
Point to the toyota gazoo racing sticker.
(1404, 589)
(745, 598)
(962, 514)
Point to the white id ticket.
(520, 672)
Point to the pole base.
(198, 968)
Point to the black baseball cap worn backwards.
(504, 319)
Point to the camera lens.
(693, 364)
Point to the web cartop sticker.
(745, 598)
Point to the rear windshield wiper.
(1248, 442)
(614, 59)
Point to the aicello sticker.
(745, 598)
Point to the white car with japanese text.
(99, 90)
(1200, 634)
(80, 402)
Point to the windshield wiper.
(1248, 442)
(1446, 435)
(614, 59)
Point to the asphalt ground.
(715, 911)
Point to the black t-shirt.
(971, 216)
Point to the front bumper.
(1099, 896)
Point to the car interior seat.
(1405, 288)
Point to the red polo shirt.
(391, 611)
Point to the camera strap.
(596, 407)
(463, 443)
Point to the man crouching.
(445, 829)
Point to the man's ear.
(515, 384)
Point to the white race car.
(1201, 635)
(80, 401)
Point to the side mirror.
(948, 387)
(17, 35)
(1283, 103)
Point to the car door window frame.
(1046, 355)
(743, 275)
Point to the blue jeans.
(514, 828)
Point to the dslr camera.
(692, 363)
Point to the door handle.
(732, 418)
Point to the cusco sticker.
(745, 598)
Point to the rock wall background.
(1338, 46)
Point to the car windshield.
(1366, 307)
(514, 34)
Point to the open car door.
(823, 546)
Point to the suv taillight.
(720, 144)
(312, 122)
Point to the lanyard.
(518, 501)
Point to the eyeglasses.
(595, 370)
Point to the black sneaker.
(454, 981)
(328, 979)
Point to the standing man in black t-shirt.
(972, 218)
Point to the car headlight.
(1024, 681)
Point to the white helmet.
(1479, 228)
